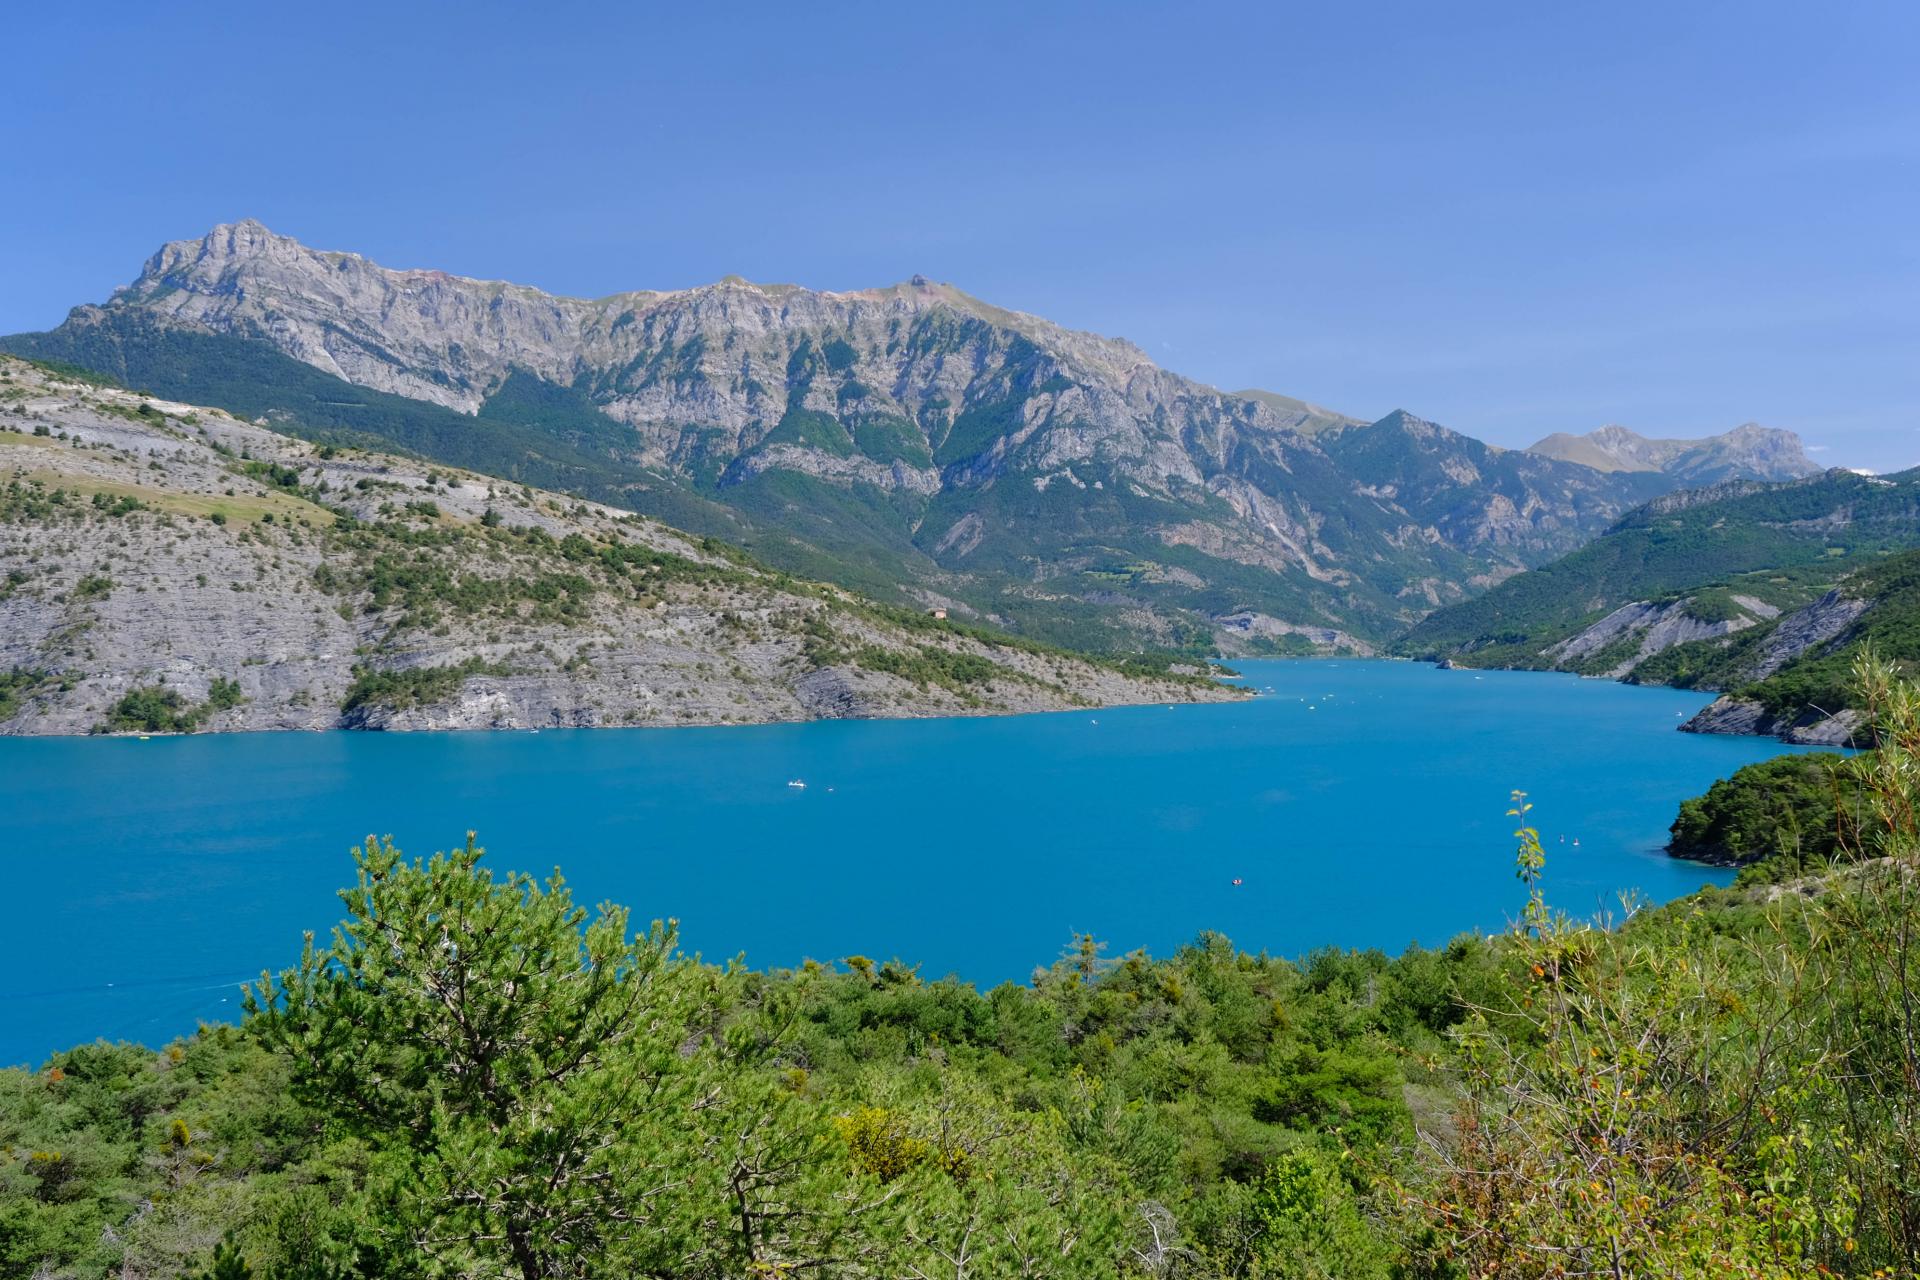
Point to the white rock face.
(1655, 627)
(720, 356)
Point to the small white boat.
(798, 785)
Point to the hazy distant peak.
(1313, 417)
(1416, 427)
(1749, 451)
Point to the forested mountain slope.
(1723, 587)
(1790, 676)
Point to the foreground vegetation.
(474, 1078)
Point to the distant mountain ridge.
(1313, 417)
(1750, 451)
(910, 440)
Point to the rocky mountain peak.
(1411, 423)
(454, 341)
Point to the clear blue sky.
(1512, 218)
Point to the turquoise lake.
(1360, 803)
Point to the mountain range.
(1750, 451)
(909, 441)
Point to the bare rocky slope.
(909, 441)
(169, 567)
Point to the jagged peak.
(247, 243)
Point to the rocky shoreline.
(1811, 728)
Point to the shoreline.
(1229, 695)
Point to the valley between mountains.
(267, 486)
(911, 442)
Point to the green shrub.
(1784, 813)
(223, 694)
(153, 709)
(404, 687)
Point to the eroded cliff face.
(1647, 629)
(248, 580)
(976, 453)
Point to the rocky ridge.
(1763, 592)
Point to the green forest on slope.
(1779, 543)
(476, 1078)
(1761, 559)
(1820, 677)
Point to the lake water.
(1361, 804)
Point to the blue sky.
(1511, 218)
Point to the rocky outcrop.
(1261, 632)
(167, 566)
(1804, 631)
(1809, 727)
(1654, 627)
(1730, 715)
